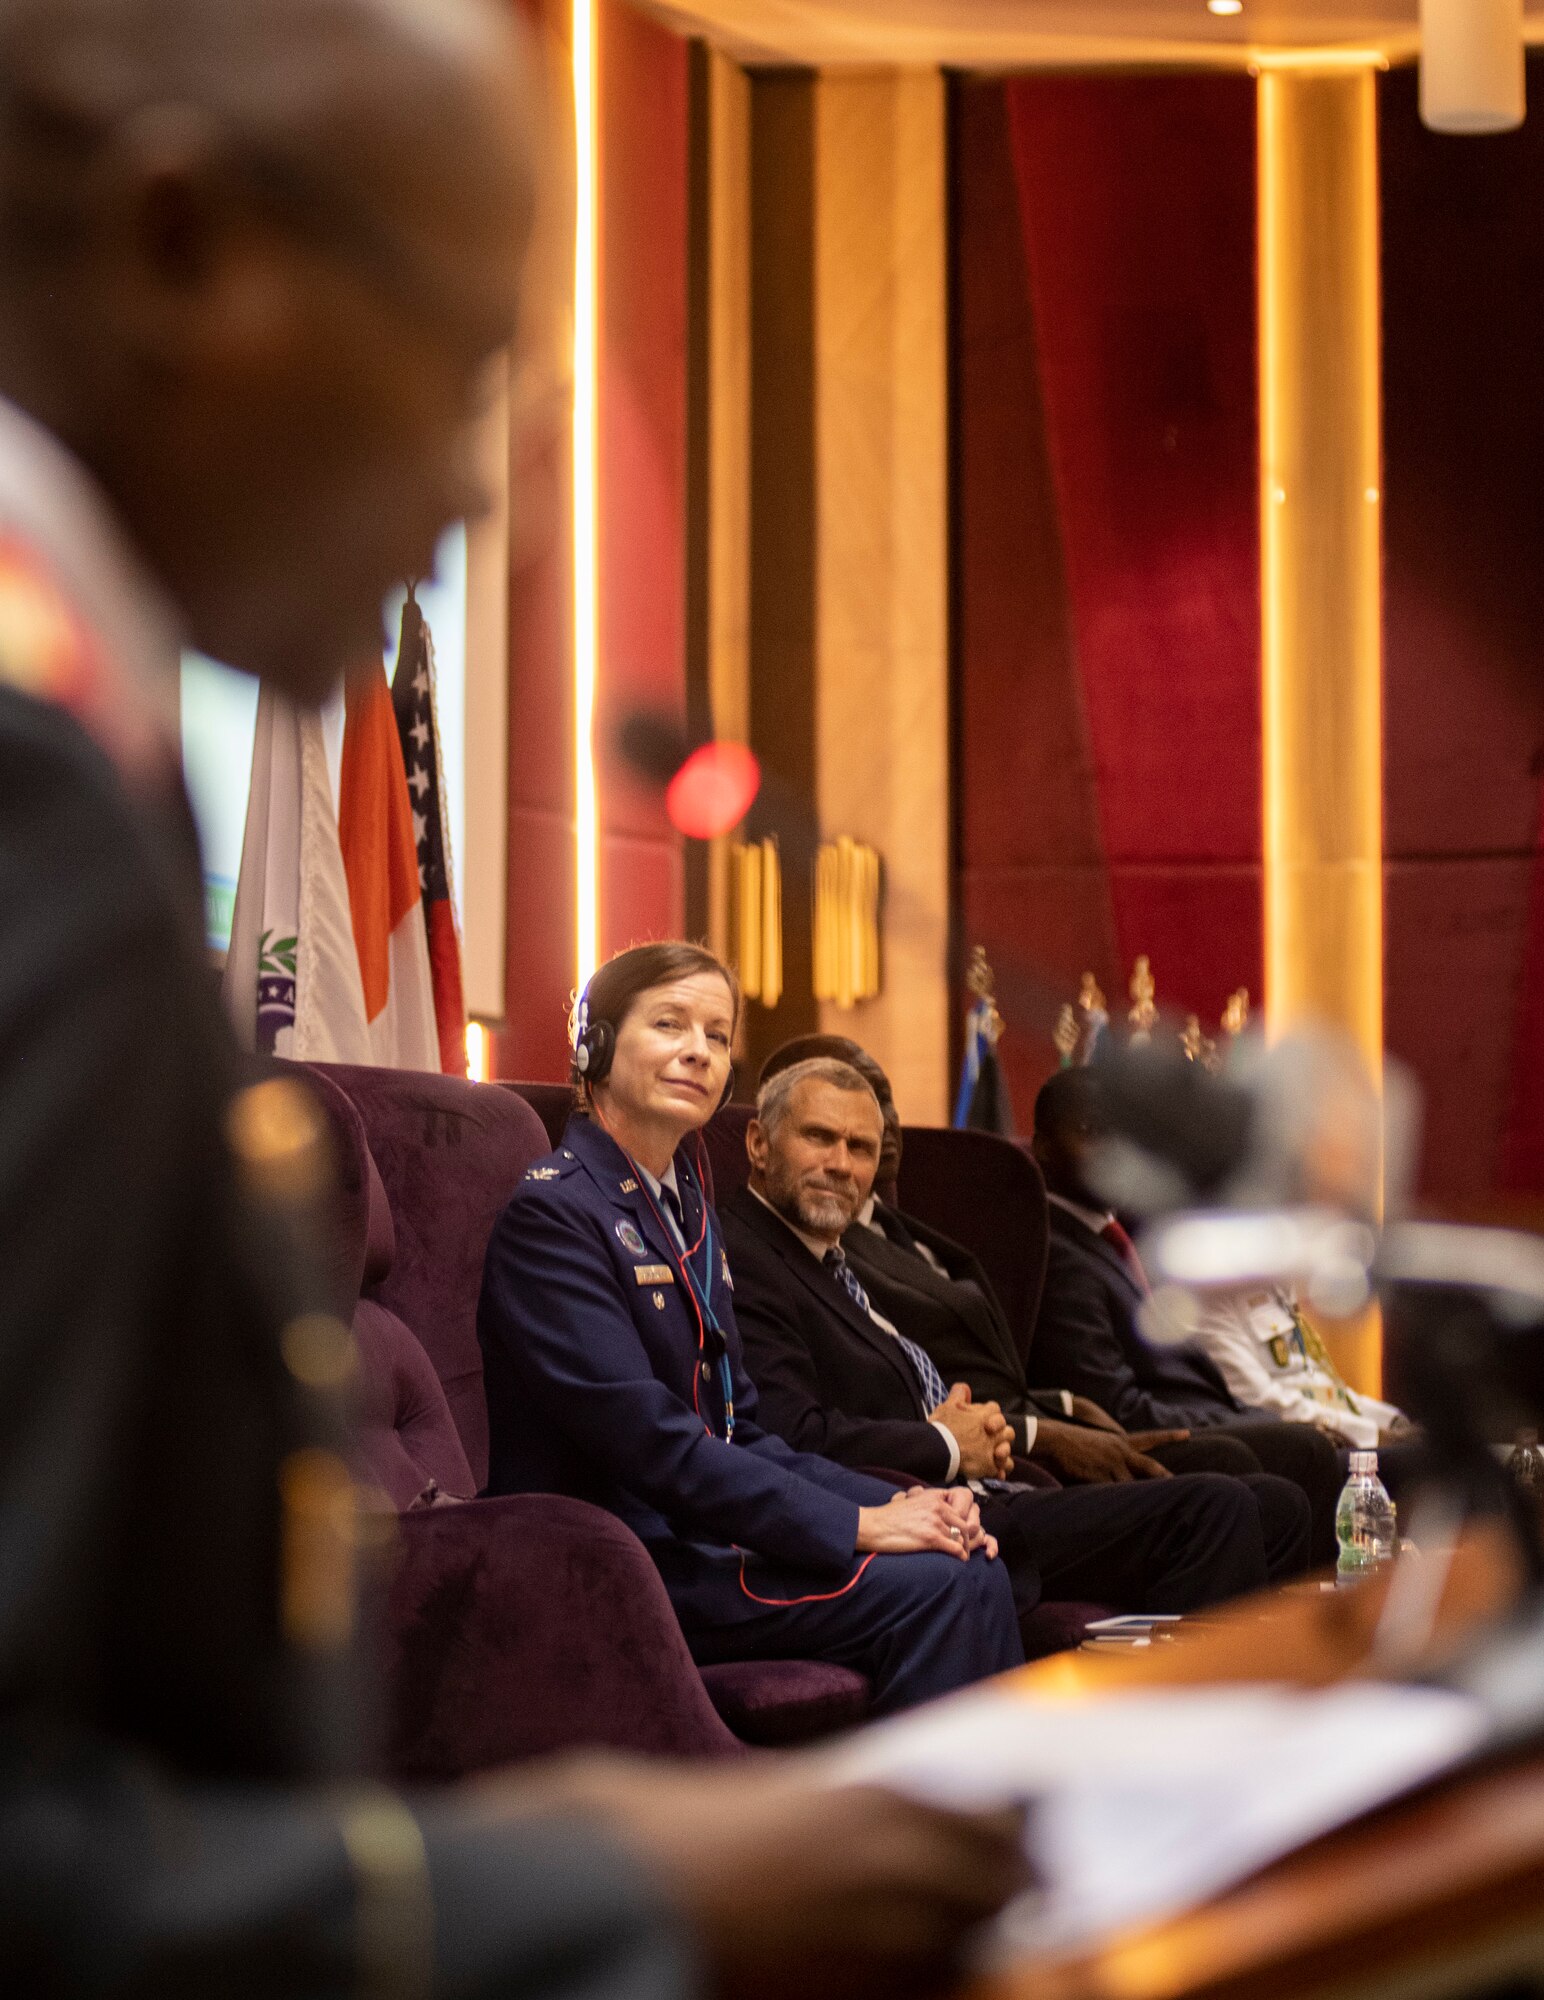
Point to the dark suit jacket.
(956, 1318)
(830, 1379)
(1087, 1340)
(603, 1384)
(161, 1744)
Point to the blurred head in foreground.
(254, 260)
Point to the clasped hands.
(982, 1432)
(945, 1518)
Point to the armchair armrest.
(534, 1623)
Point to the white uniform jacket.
(1258, 1342)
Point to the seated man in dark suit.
(837, 1378)
(940, 1292)
(936, 1288)
(1088, 1336)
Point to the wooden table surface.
(1436, 1896)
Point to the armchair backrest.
(988, 1194)
(552, 1102)
(450, 1154)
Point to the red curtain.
(1106, 539)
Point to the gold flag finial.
(1144, 1006)
(1066, 1035)
(1199, 1048)
(982, 982)
(1235, 1016)
(1096, 1016)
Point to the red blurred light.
(713, 790)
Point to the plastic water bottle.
(1365, 1523)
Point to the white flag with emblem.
(292, 984)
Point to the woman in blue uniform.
(614, 1373)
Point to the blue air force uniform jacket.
(602, 1384)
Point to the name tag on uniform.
(653, 1274)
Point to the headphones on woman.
(595, 1047)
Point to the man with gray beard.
(835, 1376)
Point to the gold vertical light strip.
(586, 470)
(1320, 504)
(749, 927)
(728, 112)
(771, 924)
(846, 922)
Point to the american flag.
(412, 699)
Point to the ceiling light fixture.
(1472, 65)
(1224, 6)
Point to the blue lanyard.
(702, 1291)
(701, 1294)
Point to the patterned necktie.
(1122, 1244)
(928, 1377)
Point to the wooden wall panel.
(881, 721)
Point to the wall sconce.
(846, 922)
(756, 945)
(481, 1053)
(1472, 65)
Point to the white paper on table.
(1146, 1804)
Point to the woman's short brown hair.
(614, 986)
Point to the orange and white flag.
(380, 857)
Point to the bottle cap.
(1363, 1463)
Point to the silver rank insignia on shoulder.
(628, 1187)
(541, 1173)
(653, 1274)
